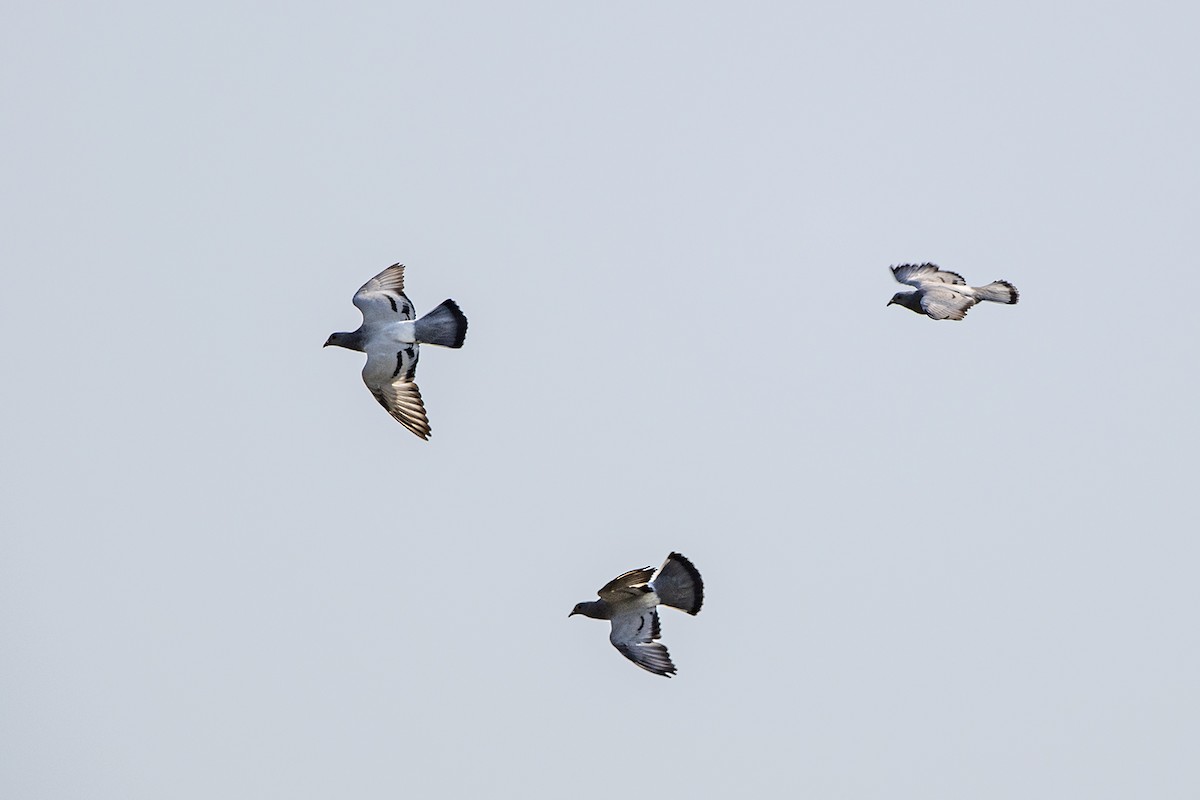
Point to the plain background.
(943, 560)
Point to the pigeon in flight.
(631, 601)
(943, 294)
(391, 338)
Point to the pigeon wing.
(626, 585)
(919, 275)
(633, 634)
(945, 303)
(390, 379)
(383, 298)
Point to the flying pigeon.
(943, 294)
(391, 339)
(631, 602)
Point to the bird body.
(391, 338)
(630, 602)
(942, 294)
(402, 332)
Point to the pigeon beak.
(889, 303)
(326, 343)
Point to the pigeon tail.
(678, 584)
(446, 325)
(998, 292)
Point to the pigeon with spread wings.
(630, 602)
(942, 294)
(391, 338)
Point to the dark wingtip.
(683, 561)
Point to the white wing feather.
(382, 298)
(921, 275)
(946, 303)
(390, 379)
(633, 634)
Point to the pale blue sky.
(942, 560)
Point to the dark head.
(350, 341)
(596, 609)
(910, 300)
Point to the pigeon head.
(596, 609)
(910, 300)
(350, 341)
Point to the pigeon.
(631, 601)
(942, 294)
(391, 339)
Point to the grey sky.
(942, 560)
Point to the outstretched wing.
(633, 634)
(919, 275)
(629, 584)
(382, 298)
(945, 303)
(390, 379)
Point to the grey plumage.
(630, 602)
(445, 326)
(942, 294)
(391, 339)
(678, 584)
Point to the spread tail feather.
(998, 292)
(446, 325)
(678, 584)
